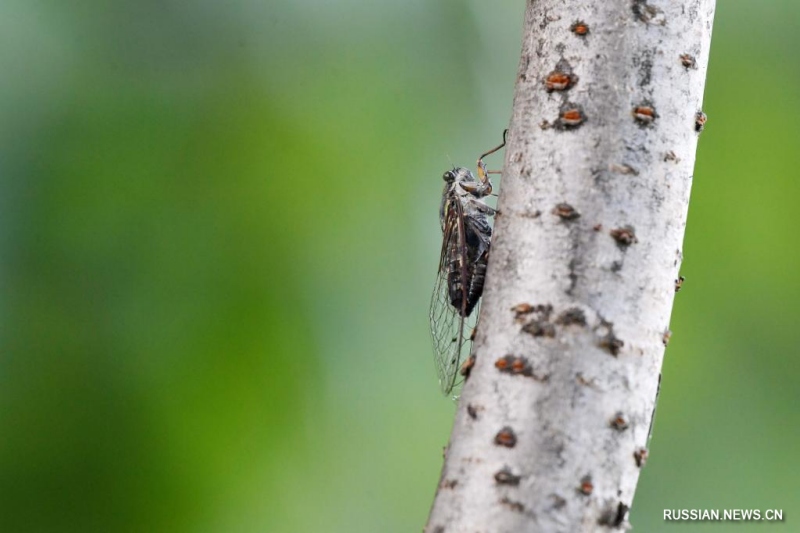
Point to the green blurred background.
(219, 232)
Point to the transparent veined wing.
(451, 330)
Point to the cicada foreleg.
(483, 174)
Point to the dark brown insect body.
(466, 261)
(466, 233)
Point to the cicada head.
(463, 180)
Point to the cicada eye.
(449, 176)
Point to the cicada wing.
(447, 328)
(450, 329)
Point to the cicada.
(466, 239)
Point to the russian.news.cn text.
(724, 515)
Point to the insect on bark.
(466, 238)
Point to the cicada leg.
(483, 174)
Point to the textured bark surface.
(553, 424)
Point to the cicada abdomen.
(467, 267)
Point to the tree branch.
(553, 424)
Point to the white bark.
(558, 408)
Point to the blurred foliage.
(219, 231)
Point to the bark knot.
(506, 437)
